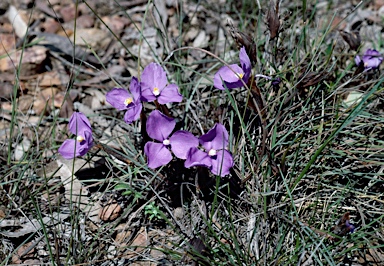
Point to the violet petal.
(72, 148)
(351, 227)
(153, 77)
(135, 89)
(116, 98)
(170, 94)
(197, 157)
(181, 142)
(229, 75)
(372, 52)
(373, 62)
(157, 154)
(67, 149)
(159, 126)
(78, 124)
(147, 95)
(216, 138)
(133, 113)
(222, 163)
(245, 64)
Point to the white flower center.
(79, 138)
(212, 152)
(128, 101)
(166, 142)
(156, 91)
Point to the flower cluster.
(153, 86)
(209, 150)
(184, 145)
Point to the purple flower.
(232, 75)
(160, 127)
(154, 86)
(121, 99)
(276, 82)
(349, 226)
(371, 59)
(215, 157)
(78, 125)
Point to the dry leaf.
(371, 256)
(93, 37)
(110, 211)
(21, 149)
(353, 39)
(160, 13)
(7, 43)
(32, 61)
(68, 13)
(23, 252)
(6, 90)
(49, 79)
(42, 103)
(122, 235)
(115, 23)
(201, 40)
(273, 21)
(61, 96)
(245, 40)
(17, 22)
(30, 225)
(140, 242)
(85, 21)
(50, 25)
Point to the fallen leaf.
(353, 39)
(140, 242)
(43, 100)
(60, 98)
(354, 97)
(7, 43)
(30, 225)
(273, 21)
(32, 61)
(23, 252)
(110, 211)
(85, 21)
(21, 149)
(160, 14)
(123, 235)
(68, 13)
(50, 25)
(6, 89)
(17, 22)
(115, 23)
(93, 37)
